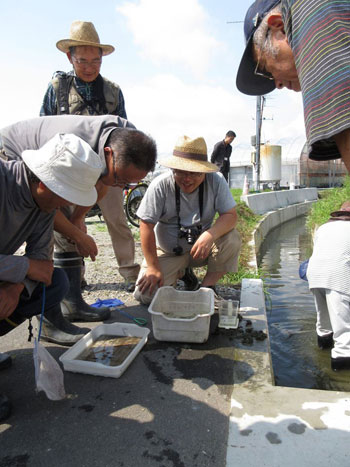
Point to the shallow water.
(296, 359)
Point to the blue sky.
(175, 61)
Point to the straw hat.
(190, 155)
(83, 33)
(68, 166)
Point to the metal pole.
(257, 144)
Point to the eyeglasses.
(117, 180)
(185, 173)
(95, 63)
(264, 74)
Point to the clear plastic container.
(228, 314)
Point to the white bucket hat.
(68, 166)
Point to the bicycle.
(133, 195)
(132, 198)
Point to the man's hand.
(202, 247)
(86, 246)
(150, 280)
(9, 298)
(40, 270)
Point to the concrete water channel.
(274, 425)
(296, 359)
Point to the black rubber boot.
(5, 361)
(340, 363)
(58, 330)
(5, 407)
(73, 306)
(325, 342)
(190, 280)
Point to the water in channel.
(296, 359)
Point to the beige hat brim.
(64, 44)
(189, 165)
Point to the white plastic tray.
(71, 363)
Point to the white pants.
(333, 315)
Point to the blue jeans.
(27, 308)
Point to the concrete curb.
(260, 203)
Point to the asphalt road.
(169, 409)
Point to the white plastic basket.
(72, 363)
(181, 316)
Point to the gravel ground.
(104, 281)
(102, 275)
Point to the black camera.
(191, 234)
(178, 250)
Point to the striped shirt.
(318, 32)
(329, 265)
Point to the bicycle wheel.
(132, 203)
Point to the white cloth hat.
(68, 166)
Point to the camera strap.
(177, 201)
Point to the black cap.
(246, 81)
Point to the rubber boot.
(340, 363)
(5, 361)
(5, 407)
(58, 330)
(190, 280)
(73, 306)
(325, 342)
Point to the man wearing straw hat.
(64, 171)
(177, 230)
(83, 91)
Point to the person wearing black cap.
(303, 46)
(222, 152)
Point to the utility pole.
(257, 142)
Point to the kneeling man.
(62, 172)
(177, 230)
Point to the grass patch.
(135, 233)
(246, 224)
(330, 200)
(100, 226)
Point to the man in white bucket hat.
(83, 91)
(177, 230)
(126, 154)
(64, 171)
